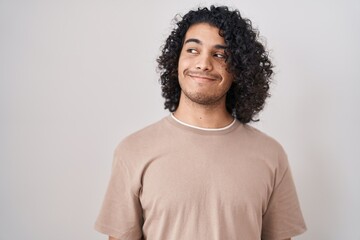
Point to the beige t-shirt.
(175, 182)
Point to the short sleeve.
(283, 218)
(121, 212)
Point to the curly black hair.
(247, 60)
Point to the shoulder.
(260, 138)
(265, 146)
(143, 138)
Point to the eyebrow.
(217, 46)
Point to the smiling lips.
(202, 76)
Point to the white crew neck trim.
(205, 129)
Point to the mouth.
(202, 76)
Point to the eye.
(220, 55)
(192, 51)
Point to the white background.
(78, 76)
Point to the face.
(202, 72)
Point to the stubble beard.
(204, 99)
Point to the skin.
(203, 79)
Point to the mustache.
(201, 74)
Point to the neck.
(204, 116)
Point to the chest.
(206, 178)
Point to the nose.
(204, 62)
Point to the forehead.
(206, 33)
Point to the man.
(203, 172)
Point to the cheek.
(224, 72)
(183, 64)
(228, 77)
